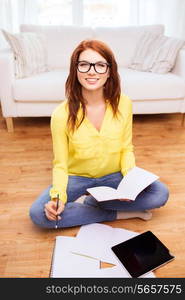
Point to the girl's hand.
(126, 200)
(51, 212)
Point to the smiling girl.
(92, 146)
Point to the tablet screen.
(142, 253)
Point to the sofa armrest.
(179, 68)
(7, 78)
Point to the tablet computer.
(142, 254)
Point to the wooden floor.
(25, 170)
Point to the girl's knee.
(38, 217)
(34, 215)
(155, 196)
(164, 194)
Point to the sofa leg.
(183, 118)
(9, 124)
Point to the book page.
(103, 193)
(112, 272)
(66, 264)
(134, 182)
(118, 271)
(95, 240)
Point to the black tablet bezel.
(142, 254)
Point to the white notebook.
(136, 180)
(68, 265)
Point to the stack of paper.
(80, 256)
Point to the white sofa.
(38, 95)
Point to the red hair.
(111, 89)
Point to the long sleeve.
(127, 156)
(60, 152)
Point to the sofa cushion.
(60, 41)
(123, 40)
(151, 86)
(48, 86)
(156, 53)
(137, 85)
(30, 53)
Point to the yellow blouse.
(89, 152)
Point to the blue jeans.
(91, 211)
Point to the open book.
(135, 181)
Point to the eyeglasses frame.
(92, 64)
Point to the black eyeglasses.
(99, 67)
